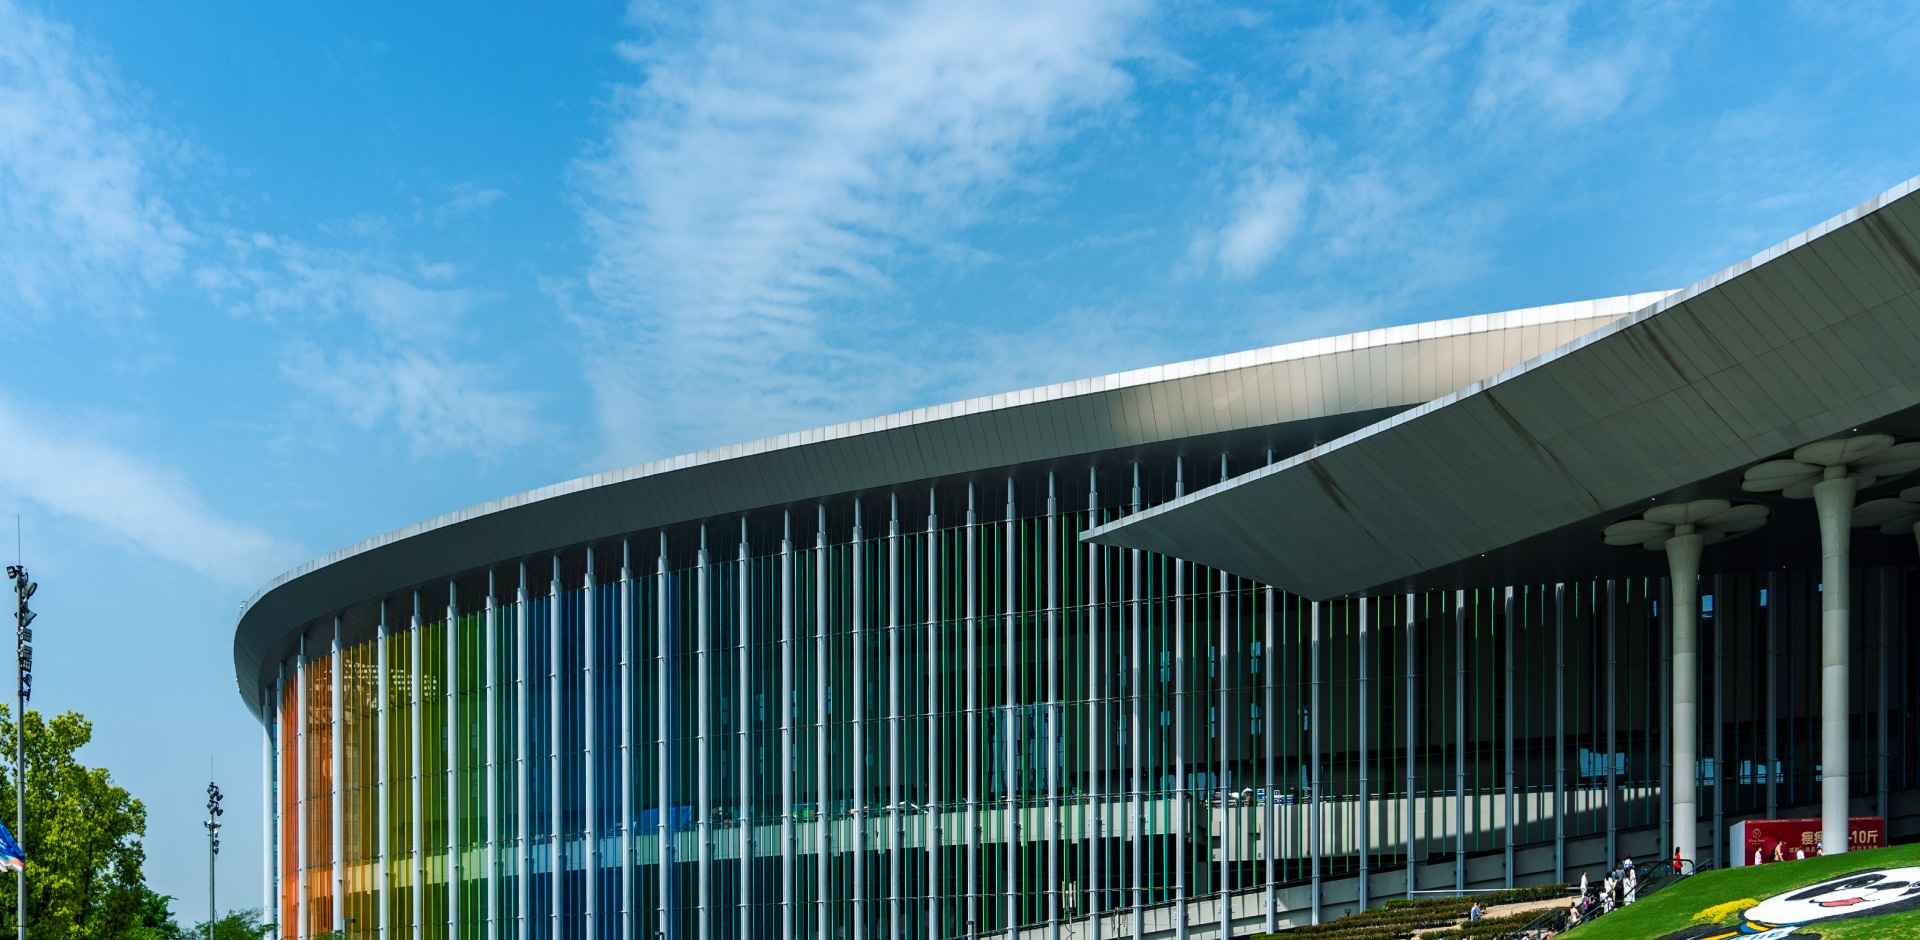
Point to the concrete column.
(1833, 499)
(1683, 566)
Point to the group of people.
(1619, 888)
(1780, 851)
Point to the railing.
(1554, 920)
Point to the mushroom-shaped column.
(1831, 472)
(1682, 530)
(1892, 515)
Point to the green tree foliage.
(236, 925)
(156, 918)
(81, 838)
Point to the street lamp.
(23, 589)
(214, 813)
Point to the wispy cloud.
(144, 503)
(82, 226)
(759, 182)
(407, 368)
(1381, 118)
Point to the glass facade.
(936, 713)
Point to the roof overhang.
(1813, 337)
(1301, 393)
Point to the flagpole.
(23, 689)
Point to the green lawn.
(1674, 908)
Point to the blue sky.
(277, 278)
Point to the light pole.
(213, 848)
(23, 649)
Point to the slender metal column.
(859, 731)
(270, 800)
(703, 737)
(490, 743)
(1053, 715)
(1772, 601)
(417, 778)
(338, 799)
(1365, 827)
(523, 765)
(1670, 739)
(1560, 733)
(972, 744)
(1222, 670)
(1613, 724)
(557, 859)
(1412, 717)
(1271, 782)
(1136, 733)
(821, 823)
(1182, 827)
(590, 768)
(450, 690)
(1460, 740)
(1719, 729)
(383, 887)
(663, 701)
(1314, 782)
(788, 705)
(1886, 625)
(1512, 626)
(628, 865)
(302, 915)
(896, 826)
(1096, 819)
(1010, 717)
(743, 815)
(935, 810)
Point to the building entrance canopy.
(1814, 337)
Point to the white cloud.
(81, 224)
(1270, 211)
(757, 184)
(1384, 118)
(407, 370)
(151, 507)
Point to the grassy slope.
(1673, 908)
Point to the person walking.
(1583, 885)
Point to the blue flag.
(11, 858)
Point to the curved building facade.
(1076, 661)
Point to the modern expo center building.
(1211, 647)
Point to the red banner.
(1760, 841)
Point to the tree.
(235, 925)
(82, 838)
(156, 918)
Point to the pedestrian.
(1676, 860)
(1779, 851)
(1800, 854)
(1633, 886)
(1819, 848)
(1474, 912)
(1583, 885)
(1759, 854)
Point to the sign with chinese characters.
(1760, 841)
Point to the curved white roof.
(1392, 368)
